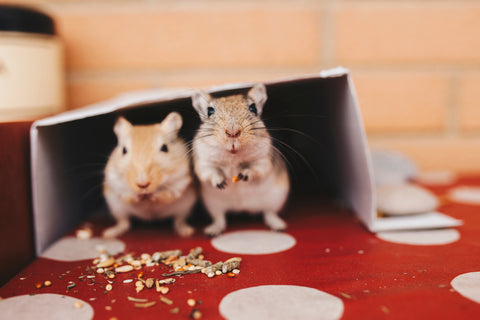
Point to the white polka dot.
(253, 242)
(465, 194)
(280, 302)
(468, 285)
(421, 237)
(74, 249)
(436, 178)
(45, 306)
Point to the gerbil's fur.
(148, 176)
(233, 143)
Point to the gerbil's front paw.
(242, 176)
(219, 182)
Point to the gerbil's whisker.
(298, 154)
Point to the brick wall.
(415, 63)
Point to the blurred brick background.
(415, 63)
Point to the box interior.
(306, 119)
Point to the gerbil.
(148, 176)
(234, 159)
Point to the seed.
(108, 287)
(149, 283)
(78, 304)
(106, 263)
(125, 268)
(191, 302)
(111, 275)
(164, 290)
(145, 305)
(139, 288)
(236, 271)
(218, 272)
(145, 256)
(140, 274)
(166, 281)
(196, 314)
(47, 283)
(84, 234)
(38, 285)
(100, 270)
(231, 274)
(127, 280)
(166, 300)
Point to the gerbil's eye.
(124, 150)
(253, 108)
(210, 111)
(164, 148)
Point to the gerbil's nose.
(233, 133)
(143, 185)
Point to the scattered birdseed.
(235, 179)
(38, 285)
(128, 281)
(108, 287)
(47, 283)
(71, 285)
(78, 304)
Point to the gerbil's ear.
(201, 100)
(171, 124)
(258, 95)
(122, 127)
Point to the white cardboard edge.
(161, 95)
(429, 220)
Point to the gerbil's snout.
(235, 133)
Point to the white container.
(31, 65)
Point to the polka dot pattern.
(45, 306)
(465, 194)
(74, 249)
(421, 237)
(280, 302)
(468, 285)
(253, 242)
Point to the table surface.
(330, 268)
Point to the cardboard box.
(315, 120)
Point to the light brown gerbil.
(148, 175)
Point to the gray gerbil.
(148, 176)
(234, 159)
